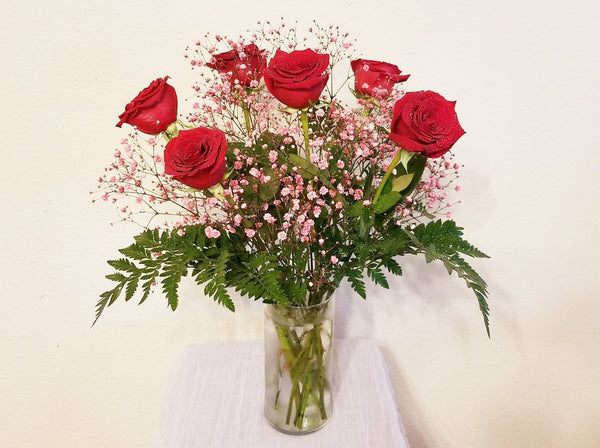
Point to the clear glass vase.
(298, 363)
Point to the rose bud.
(425, 122)
(196, 157)
(245, 66)
(297, 78)
(374, 78)
(153, 109)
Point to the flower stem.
(304, 118)
(247, 119)
(387, 175)
(305, 365)
(320, 374)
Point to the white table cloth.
(215, 399)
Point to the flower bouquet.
(273, 187)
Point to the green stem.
(304, 119)
(320, 373)
(301, 407)
(247, 119)
(387, 175)
(182, 124)
(293, 397)
(305, 364)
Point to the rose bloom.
(196, 157)
(245, 67)
(374, 78)
(153, 109)
(297, 78)
(425, 122)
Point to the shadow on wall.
(417, 431)
(356, 318)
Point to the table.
(215, 399)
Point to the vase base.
(293, 431)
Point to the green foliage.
(258, 277)
(165, 257)
(376, 274)
(442, 240)
(156, 257)
(387, 201)
(391, 265)
(306, 168)
(415, 166)
(310, 198)
(366, 245)
(401, 183)
(445, 237)
(364, 237)
(355, 279)
(407, 175)
(212, 273)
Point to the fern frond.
(259, 278)
(391, 265)
(446, 236)
(170, 278)
(443, 241)
(211, 272)
(354, 276)
(375, 273)
(107, 298)
(136, 252)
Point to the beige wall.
(525, 74)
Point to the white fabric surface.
(215, 399)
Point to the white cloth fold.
(215, 398)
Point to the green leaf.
(357, 283)
(132, 285)
(170, 279)
(391, 265)
(211, 271)
(258, 278)
(267, 190)
(446, 237)
(123, 264)
(219, 293)
(473, 281)
(307, 169)
(400, 183)
(106, 299)
(442, 240)
(146, 288)
(386, 201)
(368, 182)
(296, 289)
(135, 251)
(374, 272)
(416, 166)
(405, 157)
(356, 209)
(148, 238)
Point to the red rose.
(297, 78)
(425, 122)
(196, 157)
(245, 66)
(375, 78)
(153, 109)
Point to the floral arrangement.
(272, 186)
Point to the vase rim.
(306, 307)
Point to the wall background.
(525, 74)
